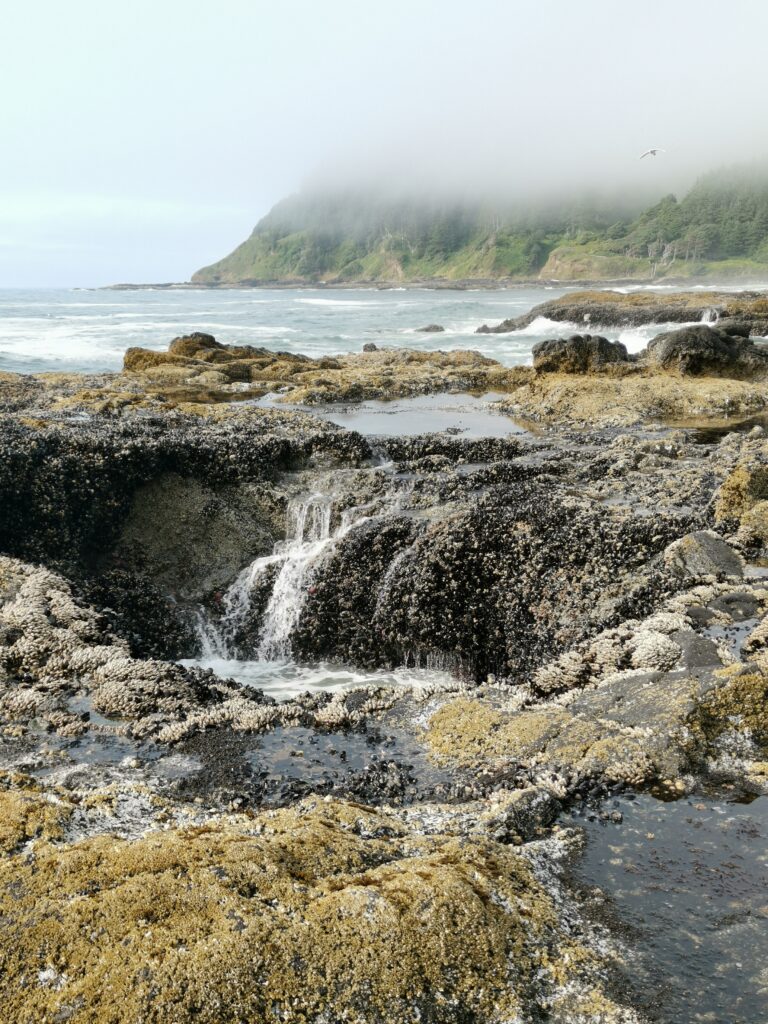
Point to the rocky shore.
(746, 311)
(180, 845)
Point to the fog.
(141, 142)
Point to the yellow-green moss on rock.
(325, 912)
(26, 813)
(742, 703)
(467, 731)
(742, 489)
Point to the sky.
(141, 141)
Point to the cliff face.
(719, 229)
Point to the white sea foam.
(284, 678)
(637, 338)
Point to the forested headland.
(719, 228)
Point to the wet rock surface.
(177, 842)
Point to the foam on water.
(283, 678)
(90, 331)
(45, 329)
(636, 338)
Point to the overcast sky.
(143, 140)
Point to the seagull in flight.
(653, 152)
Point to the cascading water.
(309, 538)
(311, 533)
(308, 532)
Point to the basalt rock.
(431, 329)
(650, 700)
(193, 344)
(703, 553)
(706, 351)
(66, 488)
(482, 588)
(326, 911)
(746, 311)
(577, 354)
(742, 489)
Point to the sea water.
(80, 330)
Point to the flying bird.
(652, 152)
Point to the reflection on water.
(463, 414)
(687, 882)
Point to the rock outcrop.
(577, 354)
(701, 350)
(323, 911)
(180, 845)
(741, 311)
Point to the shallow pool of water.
(462, 414)
(686, 883)
(465, 415)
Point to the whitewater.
(68, 330)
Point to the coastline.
(578, 614)
(440, 284)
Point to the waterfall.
(308, 536)
(310, 521)
(216, 637)
(710, 315)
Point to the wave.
(351, 303)
(543, 327)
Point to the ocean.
(69, 330)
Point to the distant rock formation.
(745, 312)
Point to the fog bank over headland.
(140, 152)
(339, 236)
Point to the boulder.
(735, 328)
(701, 350)
(370, 347)
(578, 354)
(702, 553)
(431, 329)
(191, 344)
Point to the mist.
(142, 145)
